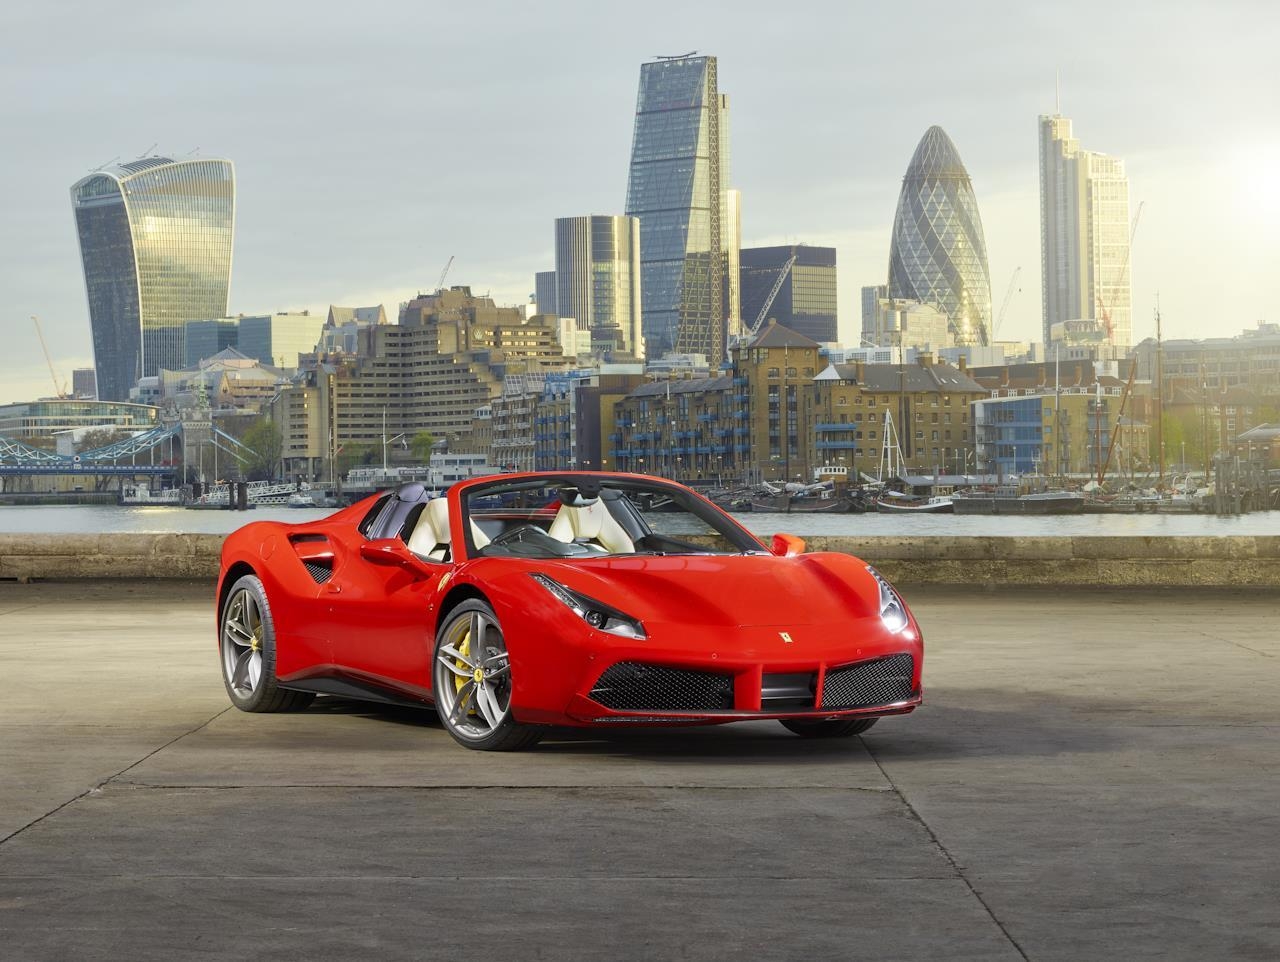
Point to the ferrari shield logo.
(785, 637)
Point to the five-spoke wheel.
(247, 644)
(472, 681)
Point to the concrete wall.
(987, 561)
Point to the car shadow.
(969, 723)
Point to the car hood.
(728, 590)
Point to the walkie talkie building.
(155, 240)
(939, 254)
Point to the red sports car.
(522, 601)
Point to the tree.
(420, 444)
(266, 444)
(101, 437)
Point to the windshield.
(591, 516)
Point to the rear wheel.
(471, 682)
(247, 646)
(827, 728)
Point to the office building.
(871, 298)
(805, 301)
(155, 242)
(901, 322)
(278, 339)
(677, 186)
(544, 292)
(938, 254)
(597, 279)
(84, 383)
(1084, 235)
(204, 339)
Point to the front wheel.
(827, 728)
(247, 646)
(472, 682)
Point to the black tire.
(487, 727)
(247, 635)
(827, 728)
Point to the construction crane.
(768, 301)
(1008, 296)
(1103, 308)
(60, 390)
(444, 273)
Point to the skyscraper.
(939, 254)
(806, 301)
(598, 280)
(1084, 234)
(679, 176)
(544, 292)
(155, 240)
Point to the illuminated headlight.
(892, 611)
(597, 614)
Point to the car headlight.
(892, 611)
(597, 614)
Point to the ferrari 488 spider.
(522, 601)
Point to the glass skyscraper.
(598, 280)
(155, 240)
(939, 254)
(677, 188)
(1084, 234)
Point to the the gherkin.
(939, 255)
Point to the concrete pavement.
(1094, 775)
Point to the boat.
(300, 500)
(140, 494)
(1006, 500)
(891, 502)
(793, 504)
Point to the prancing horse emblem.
(785, 637)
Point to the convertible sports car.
(522, 601)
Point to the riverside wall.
(1229, 562)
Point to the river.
(111, 519)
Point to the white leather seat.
(591, 521)
(430, 536)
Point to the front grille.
(320, 571)
(880, 681)
(634, 686)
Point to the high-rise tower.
(155, 241)
(679, 176)
(598, 280)
(938, 255)
(1084, 234)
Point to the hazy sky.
(374, 140)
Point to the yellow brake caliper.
(464, 649)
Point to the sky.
(372, 142)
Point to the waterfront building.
(731, 221)
(204, 339)
(433, 371)
(597, 280)
(575, 416)
(1261, 444)
(228, 383)
(544, 292)
(1060, 432)
(1084, 235)
(927, 400)
(155, 243)
(84, 383)
(806, 301)
(677, 188)
(681, 428)
(938, 254)
(36, 422)
(341, 332)
(278, 339)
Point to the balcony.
(739, 381)
(741, 398)
(831, 426)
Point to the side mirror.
(786, 545)
(394, 553)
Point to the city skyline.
(343, 201)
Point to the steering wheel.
(515, 534)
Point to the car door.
(380, 615)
